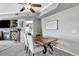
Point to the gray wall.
(36, 26)
(68, 29)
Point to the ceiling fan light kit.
(29, 7)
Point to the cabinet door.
(13, 23)
(14, 35)
(0, 35)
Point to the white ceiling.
(9, 10)
(15, 7)
(9, 7)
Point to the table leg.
(45, 50)
(51, 50)
(51, 47)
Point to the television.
(4, 23)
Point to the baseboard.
(67, 51)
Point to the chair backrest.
(30, 43)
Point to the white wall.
(22, 29)
(23, 32)
(68, 29)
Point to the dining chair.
(26, 42)
(33, 48)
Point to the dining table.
(48, 43)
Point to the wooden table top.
(47, 40)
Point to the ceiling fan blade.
(32, 10)
(22, 9)
(23, 3)
(35, 5)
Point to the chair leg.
(25, 47)
(51, 47)
(51, 50)
(29, 52)
(33, 54)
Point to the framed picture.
(53, 24)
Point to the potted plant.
(39, 36)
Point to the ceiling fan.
(29, 6)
